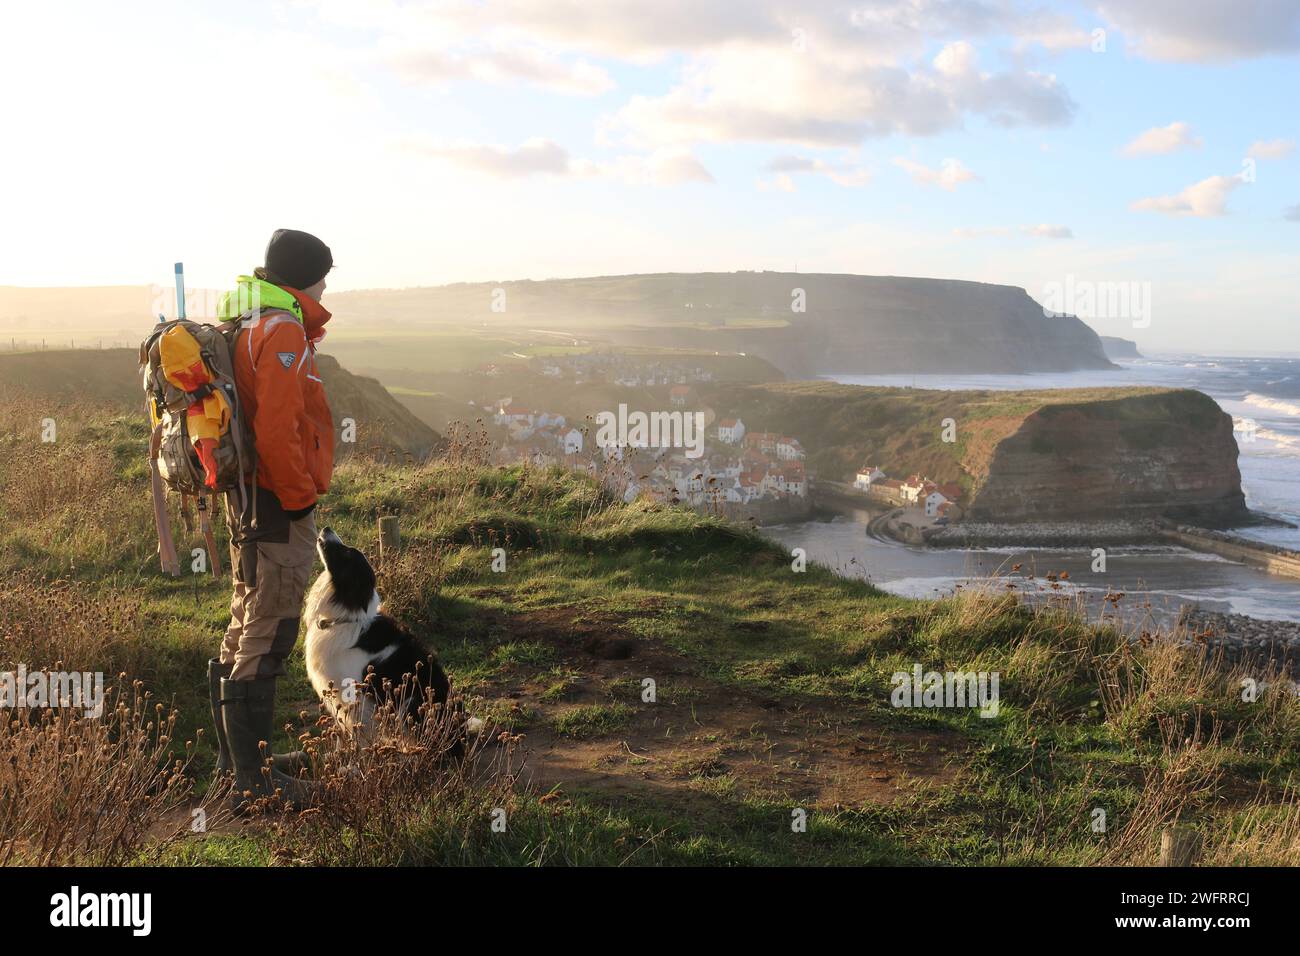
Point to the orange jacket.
(284, 401)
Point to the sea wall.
(767, 510)
(1273, 559)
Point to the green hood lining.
(252, 293)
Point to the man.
(273, 536)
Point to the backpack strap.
(246, 457)
(205, 522)
(166, 546)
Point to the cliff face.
(866, 324)
(1167, 454)
(1117, 348)
(382, 422)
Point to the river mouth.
(1157, 580)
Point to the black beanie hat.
(296, 259)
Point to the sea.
(1263, 397)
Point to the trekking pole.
(180, 290)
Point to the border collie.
(347, 635)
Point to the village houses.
(937, 500)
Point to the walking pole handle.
(180, 290)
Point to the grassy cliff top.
(902, 429)
(666, 298)
(772, 685)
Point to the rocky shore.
(1044, 534)
(1249, 640)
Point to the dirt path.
(701, 736)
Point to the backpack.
(200, 443)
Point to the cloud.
(669, 167)
(1164, 139)
(1291, 213)
(1271, 149)
(883, 30)
(497, 64)
(1202, 31)
(950, 174)
(824, 98)
(1006, 99)
(781, 182)
(843, 175)
(1205, 199)
(534, 157)
(956, 59)
(812, 73)
(977, 232)
(664, 167)
(501, 66)
(1040, 231)
(538, 156)
(1047, 231)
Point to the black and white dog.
(348, 635)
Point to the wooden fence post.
(1179, 846)
(390, 538)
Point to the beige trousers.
(270, 583)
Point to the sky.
(1092, 145)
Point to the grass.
(593, 720)
(765, 678)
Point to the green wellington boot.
(247, 713)
(291, 763)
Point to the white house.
(571, 441)
(933, 501)
(731, 430)
(789, 481)
(866, 475)
(912, 488)
(789, 449)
